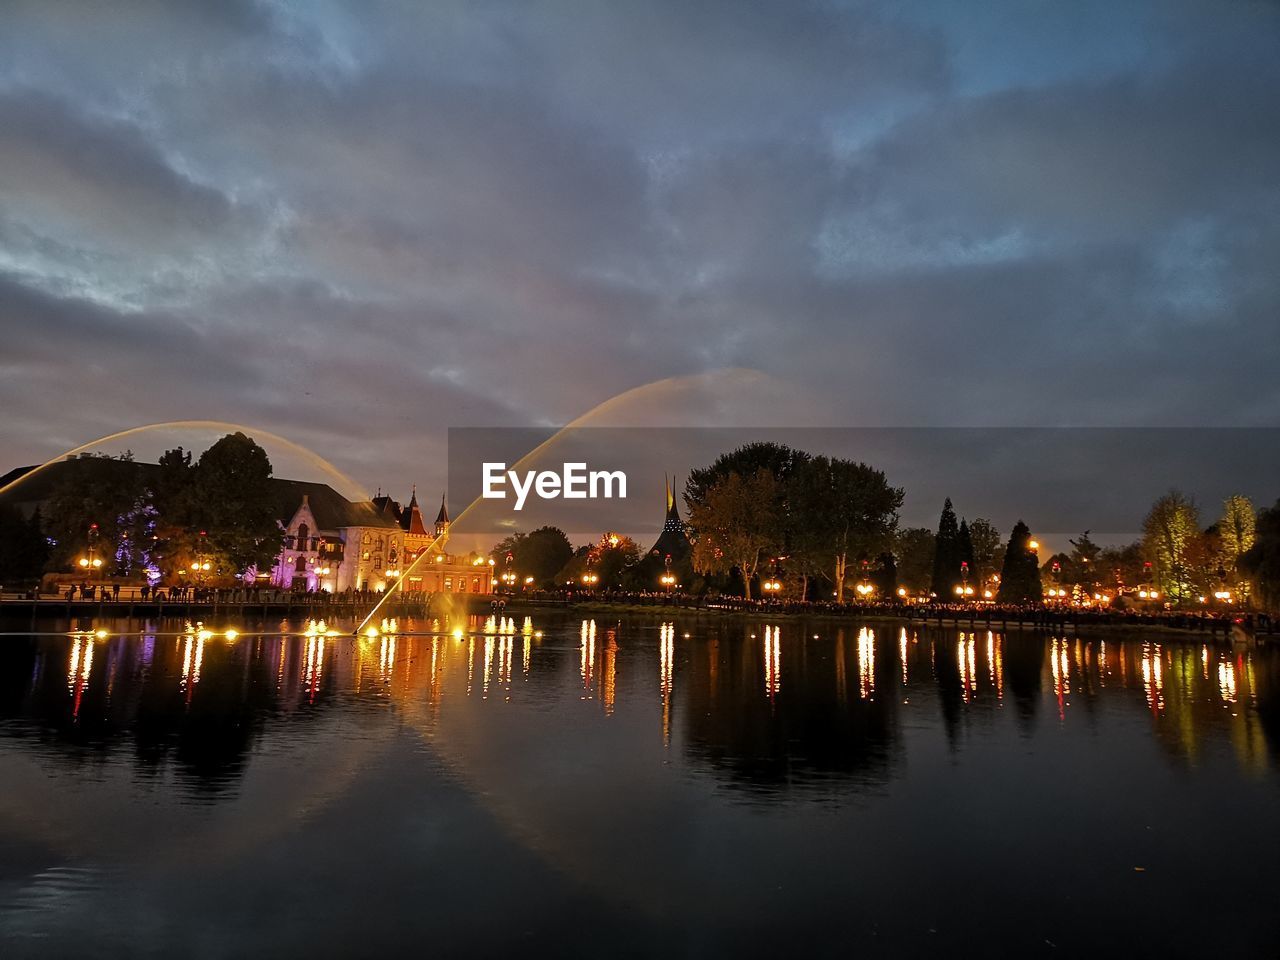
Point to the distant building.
(330, 543)
(370, 545)
(673, 542)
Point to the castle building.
(334, 544)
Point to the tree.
(611, 555)
(23, 547)
(964, 545)
(231, 502)
(946, 554)
(1237, 528)
(736, 523)
(1123, 565)
(840, 511)
(100, 502)
(988, 552)
(914, 549)
(1020, 576)
(540, 554)
(782, 463)
(1261, 562)
(1169, 533)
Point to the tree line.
(113, 516)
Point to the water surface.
(627, 787)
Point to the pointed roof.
(673, 540)
(411, 519)
(443, 515)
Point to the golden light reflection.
(995, 658)
(1153, 675)
(965, 660)
(610, 691)
(666, 661)
(1059, 665)
(866, 663)
(588, 654)
(1227, 681)
(488, 665)
(386, 659)
(772, 661)
(902, 653)
(313, 667)
(81, 666)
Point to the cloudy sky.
(360, 224)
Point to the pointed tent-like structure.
(442, 519)
(673, 541)
(412, 517)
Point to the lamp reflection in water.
(1059, 665)
(588, 655)
(386, 658)
(1153, 675)
(772, 661)
(313, 668)
(666, 662)
(78, 671)
(866, 663)
(995, 663)
(968, 673)
(610, 686)
(1227, 681)
(902, 653)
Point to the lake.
(594, 786)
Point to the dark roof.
(443, 515)
(411, 520)
(330, 508)
(673, 540)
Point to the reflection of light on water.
(773, 660)
(995, 663)
(313, 668)
(386, 659)
(73, 667)
(1227, 681)
(902, 653)
(588, 652)
(192, 657)
(610, 673)
(666, 661)
(78, 671)
(1060, 666)
(488, 664)
(866, 663)
(968, 674)
(1153, 675)
(1204, 661)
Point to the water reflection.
(643, 759)
(738, 716)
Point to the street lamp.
(91, 562)
(667, 579)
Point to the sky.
(357, 225)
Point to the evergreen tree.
(1020, 577)
(966, 544)
(946, 554)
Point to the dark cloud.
(362, 223)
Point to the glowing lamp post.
(667, 579)
(91, 562)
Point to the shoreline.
(14, 610)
